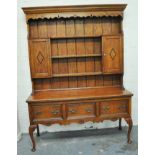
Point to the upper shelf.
(75, 56)
(77, 37)
(108, 10)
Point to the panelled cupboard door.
(40, 58)
(112, 51)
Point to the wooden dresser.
(76, 64)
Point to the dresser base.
(79, 106)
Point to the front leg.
(31, 130)
(129, 122)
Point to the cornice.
(48, 12)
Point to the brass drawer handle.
(89, 110)
(55, 106)
(38, 113)
(106, 108)
(122, 107)
(55, 112)
(72, 111)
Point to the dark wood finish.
(76, 64)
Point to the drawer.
(80, 110)
(47, 111)
(121, 106)
(114, 107)
(106, 108)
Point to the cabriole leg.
(129, 122)
(31, 130)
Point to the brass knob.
(106, 108)
(55, 112)
(89, 110)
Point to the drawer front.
(77, 110)
(121, 106)
(106, 108)
(114, 107)
(47, 111)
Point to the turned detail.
(31, 130)
(129, 122)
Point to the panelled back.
(52, 28)
(76, 51)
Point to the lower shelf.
(77, 74)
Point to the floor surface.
(88, 142)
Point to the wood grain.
(52, 28)
(42, 29)
(33, 29)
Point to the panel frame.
(105, 70)
(31, 59)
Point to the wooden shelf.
(77, 74)
(76, 37)
(76, 56)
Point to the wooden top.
(74, 11)
(78, 94)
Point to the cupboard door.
(40, 54)
(112, 51)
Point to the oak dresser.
(76, 63)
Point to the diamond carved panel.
(40, 57)
(112, 53)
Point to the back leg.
(38, 133)
(120, 124)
